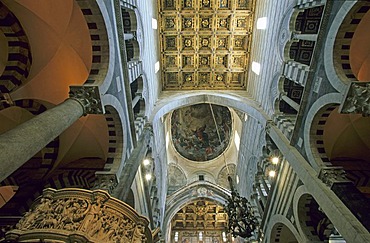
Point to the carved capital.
(88, 97)
(269, 125)
(105, 181)
(331, 175)
(357, 99)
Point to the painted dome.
(194, 133)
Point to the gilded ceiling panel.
(205, 44)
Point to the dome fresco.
(194, 133)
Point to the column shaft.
(290, 102)
(131, 166)
(18, 145)
(337, 212)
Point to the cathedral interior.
(144, 120)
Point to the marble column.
(299, 36)
(132, 165)
(20, 144)
(289, 101)
(353, 230)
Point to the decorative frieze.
(81, 215)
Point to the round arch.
(116, 107)
(320, 104)
(195, 190)
(281, 228)
(178, 100)
(331, 72)
(98, 22)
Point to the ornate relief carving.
(92, 215)
(88, 97)
(200, 35)
(170, 43)
(205, 4)
(331, 175)
(170, 22)
(357, 100)
(171, 61)
(106, 182)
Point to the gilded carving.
(188, 3)
(170, 42)
(205, 42)
(205, 4)
(223, 23)
(205, 22)
(242, 4)
(188, 61)
(187, 23)
(238, 61)
(171, 61)
(222, 42)
(239, 42)
(204, 78)
(91, 214)
(241, 23)
(220, 77)
(169, 4)
(205, 35)
(224, 4)
(170, 22)
(188, 78)
(204, 61)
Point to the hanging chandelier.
(242, 221)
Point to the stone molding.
(88, 97)
(78, 215)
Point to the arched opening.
(346, 140)
(132, 50)
(351, 50)
(281, 233)
(314, 224)
(200, 221)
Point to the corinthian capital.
(88, 97)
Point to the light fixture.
(272, 173)
(148, 177)
(275, 160)
(256, 68)
(261, 23)
(154, 24)
(146, 162)
(156, 67)
(200, 235)
(176, 236)
(242, 221)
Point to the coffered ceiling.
(205, 44)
